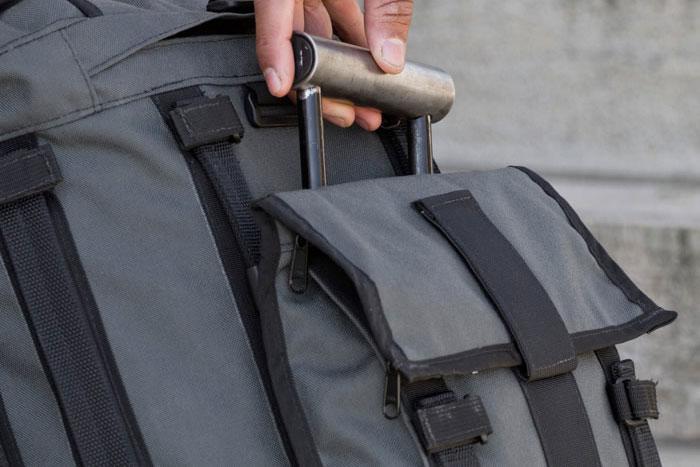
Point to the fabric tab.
(26, 172)
(206, 120)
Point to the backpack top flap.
(429, 313)
(69, 69)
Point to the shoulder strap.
(60, 310)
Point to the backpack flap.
(428, 312)
(449, 275)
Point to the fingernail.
(339, 120)
(274, 83)
(362, 123)
(394, 52)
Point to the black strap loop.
(27, 171)
(633, 401)
(447, 426)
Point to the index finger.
(274, 21)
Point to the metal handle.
(421, 93)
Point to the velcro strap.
(206, 120)
(445, 422)
(26, 172)
(522, 303)
(633, 400)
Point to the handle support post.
(420, 145)
(313, 163)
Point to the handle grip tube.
(349, 72)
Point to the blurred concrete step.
(653, 231)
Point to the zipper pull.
(299, 267)
(392, 392)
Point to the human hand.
(383, 28)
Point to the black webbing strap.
(632, 402)
(9, 452)
(448, 427)
(561, 421)
(54, 294)
(205, 128)
(522, 302)
(533, 321)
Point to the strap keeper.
(27, 172)
(444, 422)
(633, 401)
(206, 120)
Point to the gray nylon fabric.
(31, 408)
(57, 75)
(158, 282)
(591, 382)
(339, 380)
(421, 281)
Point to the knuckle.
(393, 11)
(312, 4)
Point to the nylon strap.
(532, 319)
(631, 409)
(205, 128)
(561, 421)
(51, 287)
(449, 428)
(520, 299)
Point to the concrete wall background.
(603, 98)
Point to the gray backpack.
(152, 313)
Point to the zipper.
(392, 392)
(299, 266)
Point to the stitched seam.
(11, 46)
(191, 131)
(162, 45)
(88, 83)
(126, 99)
(451, 201)
(95, 69)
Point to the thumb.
(386, 26)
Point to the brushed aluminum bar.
(313, 161)
(348, 72)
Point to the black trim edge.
(284, 387)
(616, 275)
(496, 356)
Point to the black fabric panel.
(561, 421)
(607, 264)
(9, 452)
(292, 411)
(26, 172)
(51, 287)
(523, 304)
(638, 440)
(232, 257)
(87, 8)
